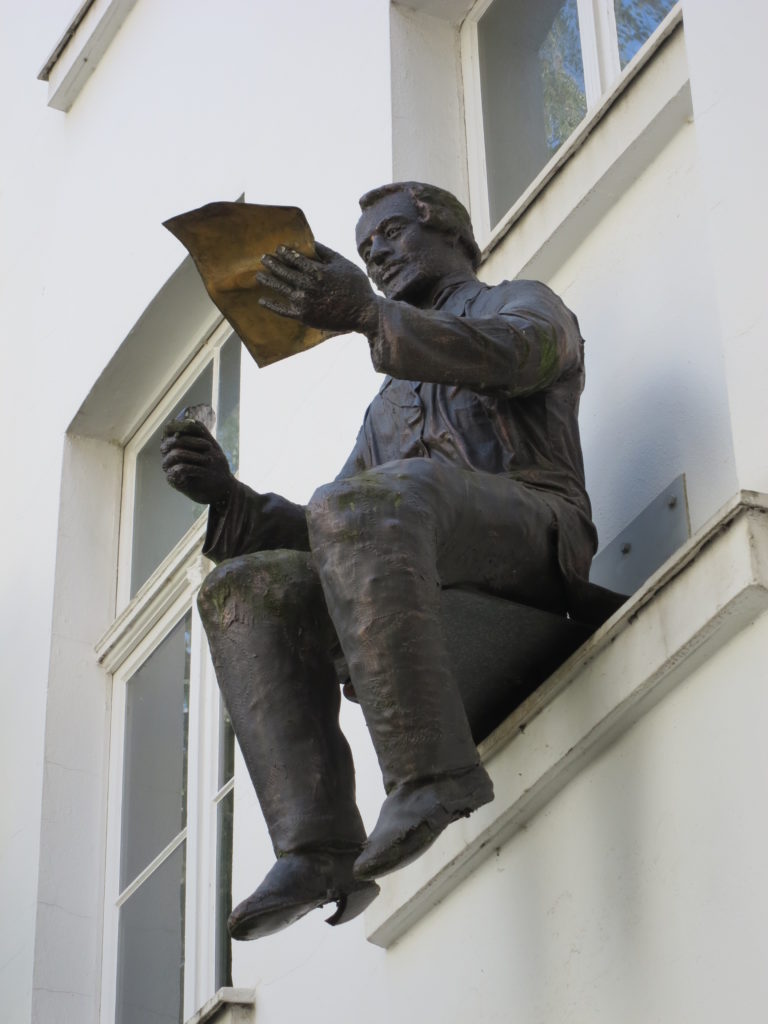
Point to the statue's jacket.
(489, 381)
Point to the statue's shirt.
(500, 372)
(488, 380)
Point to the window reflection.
(161, 516)
(532, 85)
(155, 754)
(636, 21)
(150, 976)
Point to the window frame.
(209, 352)
(604, 81)
(139, 627)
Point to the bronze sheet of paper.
(227, 241)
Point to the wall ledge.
(704, 595)
(228, 1006)
(80, 48)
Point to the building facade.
(608, 147)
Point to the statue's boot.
(271, 642)
(377, 565)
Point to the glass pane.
(636, 21)
(150, 950)
(155, 756)
(161, 516)
(532, 82)
(228, 433)
(224, 819)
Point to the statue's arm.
(250, 521)
(519, 338)
(240, 520)
(520, 347)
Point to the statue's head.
(411, 236)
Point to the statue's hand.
(194, 463)
(328, 292)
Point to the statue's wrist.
(222, 500)
(370, 319)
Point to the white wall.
(639, 894)
(428, 135)
(288, 103)
(728, 87)
(656, 402)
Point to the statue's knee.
(260, 582)
(373, 501)
(332, 509)
(219, 588)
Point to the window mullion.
(473, 109)
(150, 869)
(197, 985)
(225, 790)
(607, 42)
(590, 50)
(215, 387)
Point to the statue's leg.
(271, 642)
(376, 544)
(384, 543)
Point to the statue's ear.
(437, 218)
(424, 211)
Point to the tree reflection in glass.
(636, 21)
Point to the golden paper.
(227, 241)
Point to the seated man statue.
(467, 471)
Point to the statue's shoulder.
(524, 294)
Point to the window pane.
(636, 21)
(224, 820)
(228, 433)
(155, 756)
(532, 83)
(150, 951)
(161, 516)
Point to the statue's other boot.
(271, 642)
(383, 597)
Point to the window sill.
(712, 588)
(84, 42)
(228, 1006)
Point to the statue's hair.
(436, 207)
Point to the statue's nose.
(380, 250)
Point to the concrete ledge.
(82, 45)
(712, 588)
(228, 1006)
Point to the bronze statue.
(467, 471)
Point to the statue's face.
(405, 258)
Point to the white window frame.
(604, 80)
(141, 624)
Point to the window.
(533, 72)
(169, 844)
(154, 516)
